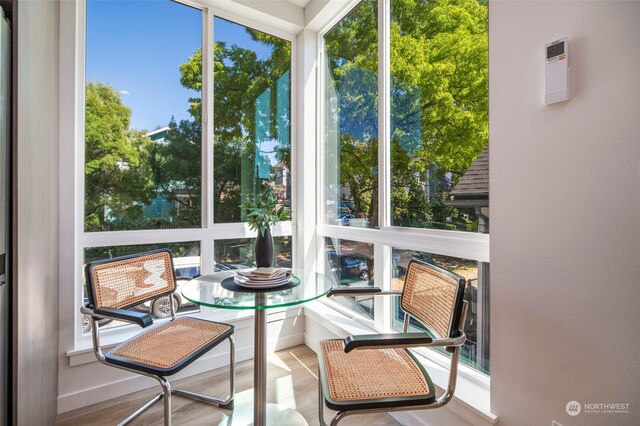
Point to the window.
(475, 351)
(439, 108)
(351, 120)
(142, 127)
(404, 112)
(238, 253)
(350, 263)
(187, 115)
(252, 117)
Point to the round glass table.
(218, 290)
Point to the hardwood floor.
(291, 382)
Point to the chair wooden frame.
(143, 319)
(453, 342)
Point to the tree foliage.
(125, 170)
(439, 66)
(177, 167)
(118, 178)
(240, 78)
(439, 121)
(439, 102)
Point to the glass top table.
(218, 290)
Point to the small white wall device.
(556, 72)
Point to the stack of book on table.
(263, 277)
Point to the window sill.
(472, 399)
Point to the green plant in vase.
(262, 214)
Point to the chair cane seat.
(372, 378)
(168, 348)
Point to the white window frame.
(467, 245)
(74, 239)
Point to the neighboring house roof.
(158, 134)
(473, 187)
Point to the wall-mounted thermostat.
(556, 72)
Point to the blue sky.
(138, 46)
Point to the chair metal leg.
(232, 374)
(320, 401)
(166, 388)
(222, 403)
(337, 417)
(141, 410)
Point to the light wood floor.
(291, 382)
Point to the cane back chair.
(377, 373)
(114, 286)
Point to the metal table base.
(211, 290)
(260, 367)
(263, 414)
(275, 415)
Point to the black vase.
(264, 249)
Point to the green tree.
(125, 170)
(409, 200)
(439, 99)
(240, 78)
(352, 66)
(227, 176)
(357, 172)
(439, 67)
(176, 165)
(117, 174)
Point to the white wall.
(36, 218)
(565, 206)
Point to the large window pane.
(350, 264)
(475, 351)
(238, 253)
(186, 263)
(252, 124)
(142, 121)
(351, 119)
(439, 119)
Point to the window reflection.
(351, 120)
(252, 125)
(350, 264)
(475, 351)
